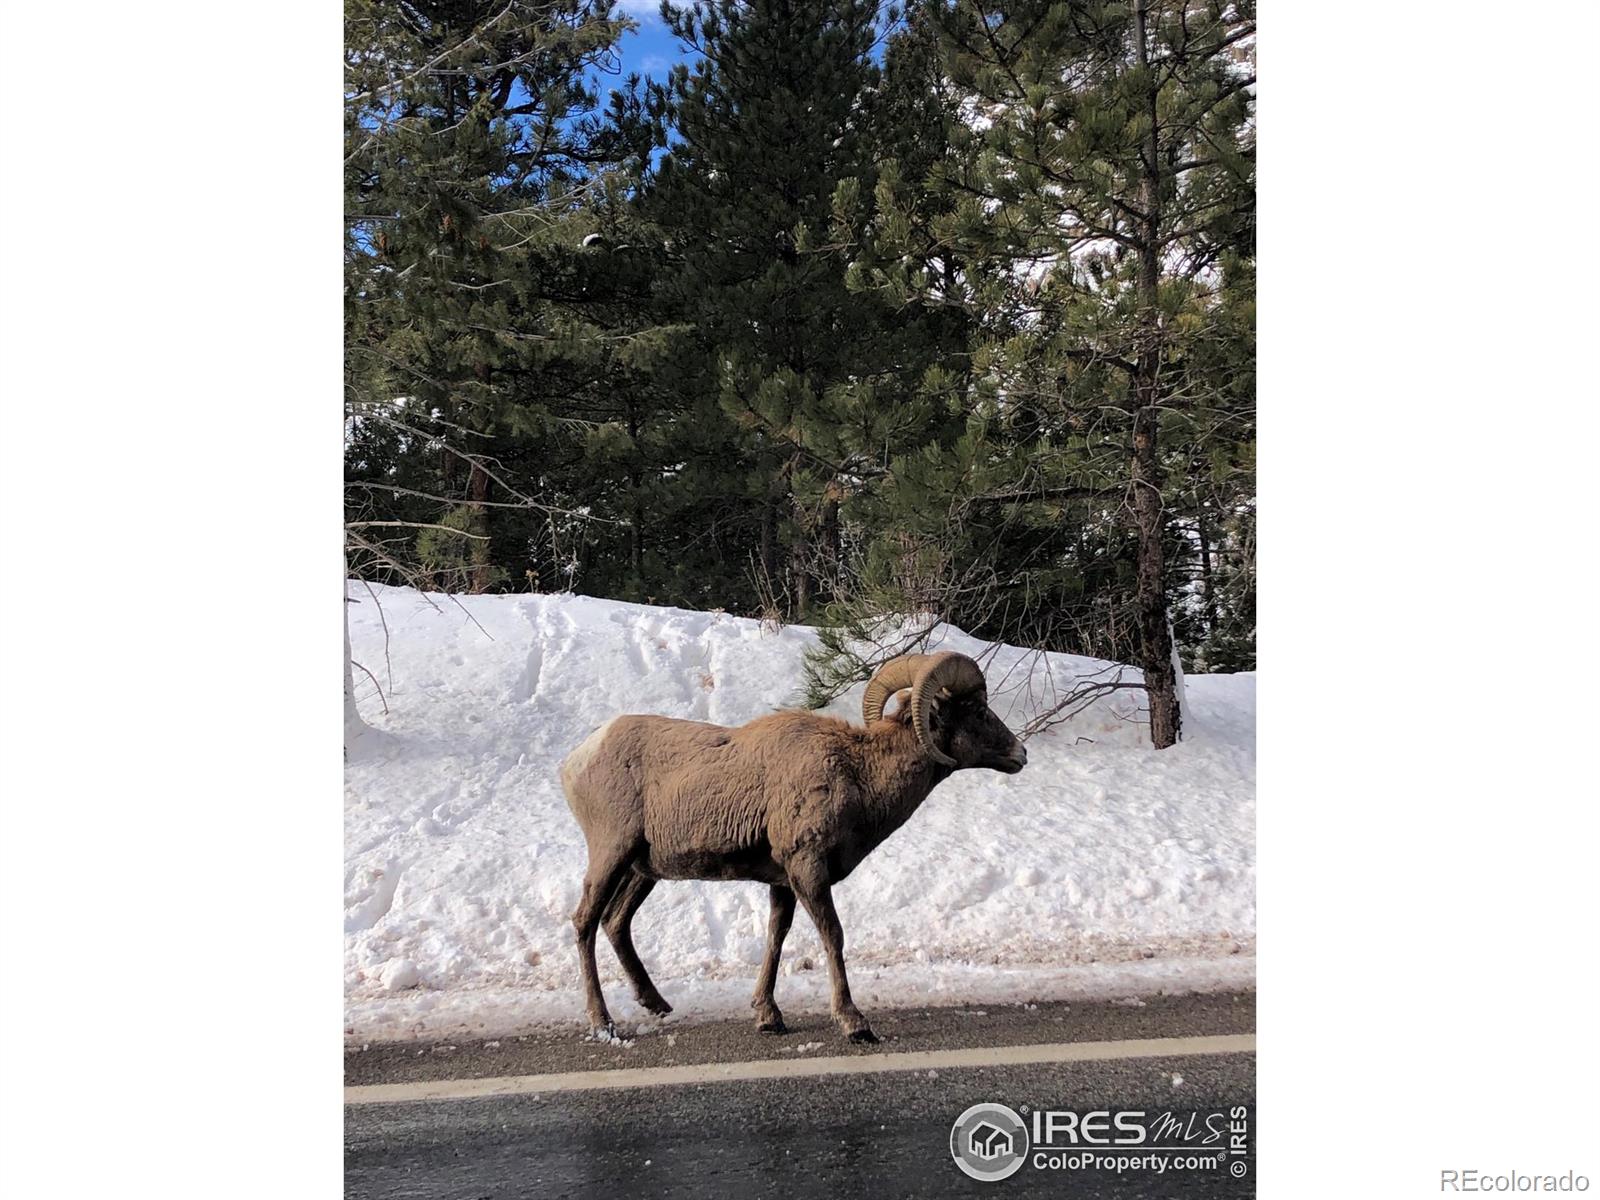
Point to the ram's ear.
(900, 706)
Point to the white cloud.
(642, 11)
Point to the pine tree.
(1104, 181)
(470, 137)
(781, 112)
(648, 447)
(1211, 494)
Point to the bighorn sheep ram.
(793, 800)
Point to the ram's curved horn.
(949, 674)
(927, 675)
(894, 675)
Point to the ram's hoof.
(655, 1006)
(863, 1036)
(771, 1025)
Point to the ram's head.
(948, 702)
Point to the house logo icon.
(989, 1142)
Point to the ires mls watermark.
(992, 1141)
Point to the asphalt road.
(875, 1134)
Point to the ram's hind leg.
(768, 1018)
(618, 923)
(607, 866)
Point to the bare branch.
(481, 537)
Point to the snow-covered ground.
(1103, 869)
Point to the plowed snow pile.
(1104, 868)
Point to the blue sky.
(650, 49)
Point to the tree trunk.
(832, 549)
(800, 586)
(776, 593)
(636, 546)
(354, 726)
(769, 548)
(1205, 572)
(636, 538)
(477, 493)
(1155, 637)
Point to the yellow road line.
(799, 1068)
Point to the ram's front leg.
(810, 882)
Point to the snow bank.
(1104, 868)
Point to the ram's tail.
(574, 765)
